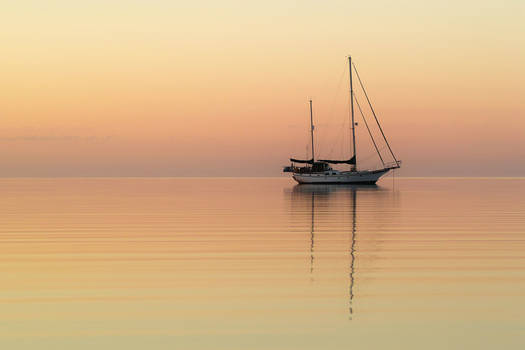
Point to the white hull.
(347, 177)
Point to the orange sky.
(160, 88)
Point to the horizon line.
(241, 177)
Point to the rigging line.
(340, 137)
(367, 128)
(370, 155)
(337, 139)
(331, 113)
(374, 113)
(337, 91)
(341, 134)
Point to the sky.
(221, 88)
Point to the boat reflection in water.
(332, 212)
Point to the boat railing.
(393, 165)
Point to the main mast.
(351, 109)
(312, 131)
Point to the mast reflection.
(325, 199)
(312, 236)
(352, 255)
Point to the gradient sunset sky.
(221, 88)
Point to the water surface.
(262, 264)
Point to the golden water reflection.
(261, 263)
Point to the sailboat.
(319, 171)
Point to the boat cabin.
(316, 167)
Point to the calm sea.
(261, 263)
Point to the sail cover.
(349, 161)
(307, 161)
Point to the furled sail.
(307, 161)
(349, 161)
